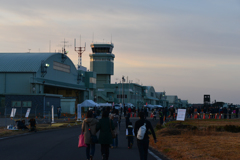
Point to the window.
(16, 103)
(92, 80)
(101, 50)
(27, 104)
(61, 67)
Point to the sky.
(185, 48)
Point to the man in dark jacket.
(127, 117)
(105, 135)
(144, 143)
(225, 112)
(229, 112)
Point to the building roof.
(171, 98)
(22, 62)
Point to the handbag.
(94, 138)
(81, 142)
(114, 135)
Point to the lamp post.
(123, 80)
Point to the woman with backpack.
(105, 126)
(89, 129)
(141, 131)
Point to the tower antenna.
(80, 51)
(64, 46)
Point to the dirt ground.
(199, 140)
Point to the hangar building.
(40, 80)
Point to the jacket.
(92, 122)
(140, 123)
(118, 120)
(105, 135)
(130, 131)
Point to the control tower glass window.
(101, 50)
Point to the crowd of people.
(225, 112)
(108, 127)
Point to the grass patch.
(199, 139)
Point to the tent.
(86, 103)
(158, 106)
(105, 105)
(149, 106)
(130, 105)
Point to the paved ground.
(61, 144)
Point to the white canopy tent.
(105, 104)
(130, 105)
(86, 103)
(149, 106)
(158, 106)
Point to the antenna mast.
(64, 46)
(80, 51)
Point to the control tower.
(102, 62)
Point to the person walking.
(144, 143)
(160, 116)
(127, 117)
(130, 134)
(89, 128)
(115, 119)
(154, 114)
(105, 125)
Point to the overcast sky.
(186, 48)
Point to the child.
(130, 134)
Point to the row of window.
(101, 50)
(135, 97)
(121, 96)
(21, 103)
(102, 59)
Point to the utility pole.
(123, 80)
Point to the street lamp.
(123, 80)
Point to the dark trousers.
(143, 148)
(225, 116)
(161, 120)
(154, 118)
(88, 148)
(105, 151)
(236, 115)
(130, 141)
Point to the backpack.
(141, 132)
(115, 121)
